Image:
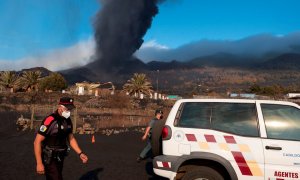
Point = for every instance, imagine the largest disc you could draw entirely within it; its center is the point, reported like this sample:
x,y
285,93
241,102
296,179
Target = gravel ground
x,y
110,157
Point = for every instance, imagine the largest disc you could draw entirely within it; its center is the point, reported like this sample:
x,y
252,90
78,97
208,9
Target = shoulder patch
x,y
48,120
43,128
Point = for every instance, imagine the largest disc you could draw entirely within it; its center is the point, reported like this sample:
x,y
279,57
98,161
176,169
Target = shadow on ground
x,y
91,175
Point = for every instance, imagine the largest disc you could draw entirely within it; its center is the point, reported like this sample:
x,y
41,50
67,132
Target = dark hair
x,y
158,111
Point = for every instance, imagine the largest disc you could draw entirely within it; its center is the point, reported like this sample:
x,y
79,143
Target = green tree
x,y
255,88
269,91
138,84
9,80
54,82
29,80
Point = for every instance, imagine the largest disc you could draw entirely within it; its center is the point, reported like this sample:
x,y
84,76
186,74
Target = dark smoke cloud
x,y
119,29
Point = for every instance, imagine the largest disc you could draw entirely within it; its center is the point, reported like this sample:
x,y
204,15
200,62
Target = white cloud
x,y
77,55
153,44
148,50
256,46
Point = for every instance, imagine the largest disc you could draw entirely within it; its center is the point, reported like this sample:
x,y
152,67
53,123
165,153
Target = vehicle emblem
x,y
178,136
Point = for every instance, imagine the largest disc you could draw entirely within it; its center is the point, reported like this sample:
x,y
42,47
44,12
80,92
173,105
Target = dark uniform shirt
x,y
56,130
151,124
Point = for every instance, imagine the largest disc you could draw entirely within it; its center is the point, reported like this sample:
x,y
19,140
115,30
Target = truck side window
x,y
282,121
195,115
235,118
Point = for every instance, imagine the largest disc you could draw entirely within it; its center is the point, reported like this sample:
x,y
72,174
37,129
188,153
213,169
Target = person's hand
x,y
40,169
84,158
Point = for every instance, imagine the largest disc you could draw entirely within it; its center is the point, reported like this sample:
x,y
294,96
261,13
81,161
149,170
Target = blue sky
x,y
36,31
36,26
190,20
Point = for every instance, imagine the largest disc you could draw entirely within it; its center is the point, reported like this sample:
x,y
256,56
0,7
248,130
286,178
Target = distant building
x,y
203,97
293,95
242,95
86,88
174,97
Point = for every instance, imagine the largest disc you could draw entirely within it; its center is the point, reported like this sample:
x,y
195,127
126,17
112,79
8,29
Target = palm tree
x,y
54,82
30,80
138,84
9,79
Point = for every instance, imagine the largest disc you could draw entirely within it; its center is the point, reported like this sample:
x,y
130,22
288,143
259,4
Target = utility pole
x,y
157,80
75,120
32,116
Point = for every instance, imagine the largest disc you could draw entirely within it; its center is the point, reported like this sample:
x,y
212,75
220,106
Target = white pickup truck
x,y
218,139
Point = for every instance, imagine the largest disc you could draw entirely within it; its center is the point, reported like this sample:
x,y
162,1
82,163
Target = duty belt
x,y
50,153
56,149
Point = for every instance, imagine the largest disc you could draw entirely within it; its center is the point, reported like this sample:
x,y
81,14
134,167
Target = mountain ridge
x,y
286,61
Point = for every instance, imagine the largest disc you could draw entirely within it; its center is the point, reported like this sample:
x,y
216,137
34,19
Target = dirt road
x,y
110,157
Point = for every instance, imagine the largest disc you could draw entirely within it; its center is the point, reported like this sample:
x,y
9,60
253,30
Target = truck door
x,y
282,142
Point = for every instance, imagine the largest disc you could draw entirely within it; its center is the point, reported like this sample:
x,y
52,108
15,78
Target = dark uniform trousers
x,y
53,170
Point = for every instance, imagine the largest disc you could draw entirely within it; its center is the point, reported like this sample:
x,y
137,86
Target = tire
x,y
202,173
156,139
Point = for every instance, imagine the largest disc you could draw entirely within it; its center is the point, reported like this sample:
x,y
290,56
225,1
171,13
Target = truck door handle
x,y
273,148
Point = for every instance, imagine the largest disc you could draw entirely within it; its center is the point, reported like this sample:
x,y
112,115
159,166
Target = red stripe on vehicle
x,y
191,137
166,164
241,162
230,139
279,179
210,138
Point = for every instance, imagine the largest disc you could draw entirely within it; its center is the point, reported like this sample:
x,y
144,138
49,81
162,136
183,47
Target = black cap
x,y
67,102
158,111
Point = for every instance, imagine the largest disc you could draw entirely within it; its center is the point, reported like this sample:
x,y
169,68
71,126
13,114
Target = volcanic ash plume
x,y
119,29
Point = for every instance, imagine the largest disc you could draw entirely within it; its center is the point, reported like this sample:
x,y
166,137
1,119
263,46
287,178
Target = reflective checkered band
x,y
240,152
163,164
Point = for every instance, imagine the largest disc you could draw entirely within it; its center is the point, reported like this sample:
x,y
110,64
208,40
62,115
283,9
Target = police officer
x,y
148,132
50,145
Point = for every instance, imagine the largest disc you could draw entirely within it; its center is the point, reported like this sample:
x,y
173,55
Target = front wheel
x,y
202,173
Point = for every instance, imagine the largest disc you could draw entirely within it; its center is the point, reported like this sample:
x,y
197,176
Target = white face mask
x,y
66,114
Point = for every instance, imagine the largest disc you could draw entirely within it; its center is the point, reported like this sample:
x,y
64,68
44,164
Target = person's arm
x,y
146,133
38,153
76,148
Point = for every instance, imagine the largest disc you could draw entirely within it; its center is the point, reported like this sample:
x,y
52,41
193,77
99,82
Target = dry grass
x,y
105,111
